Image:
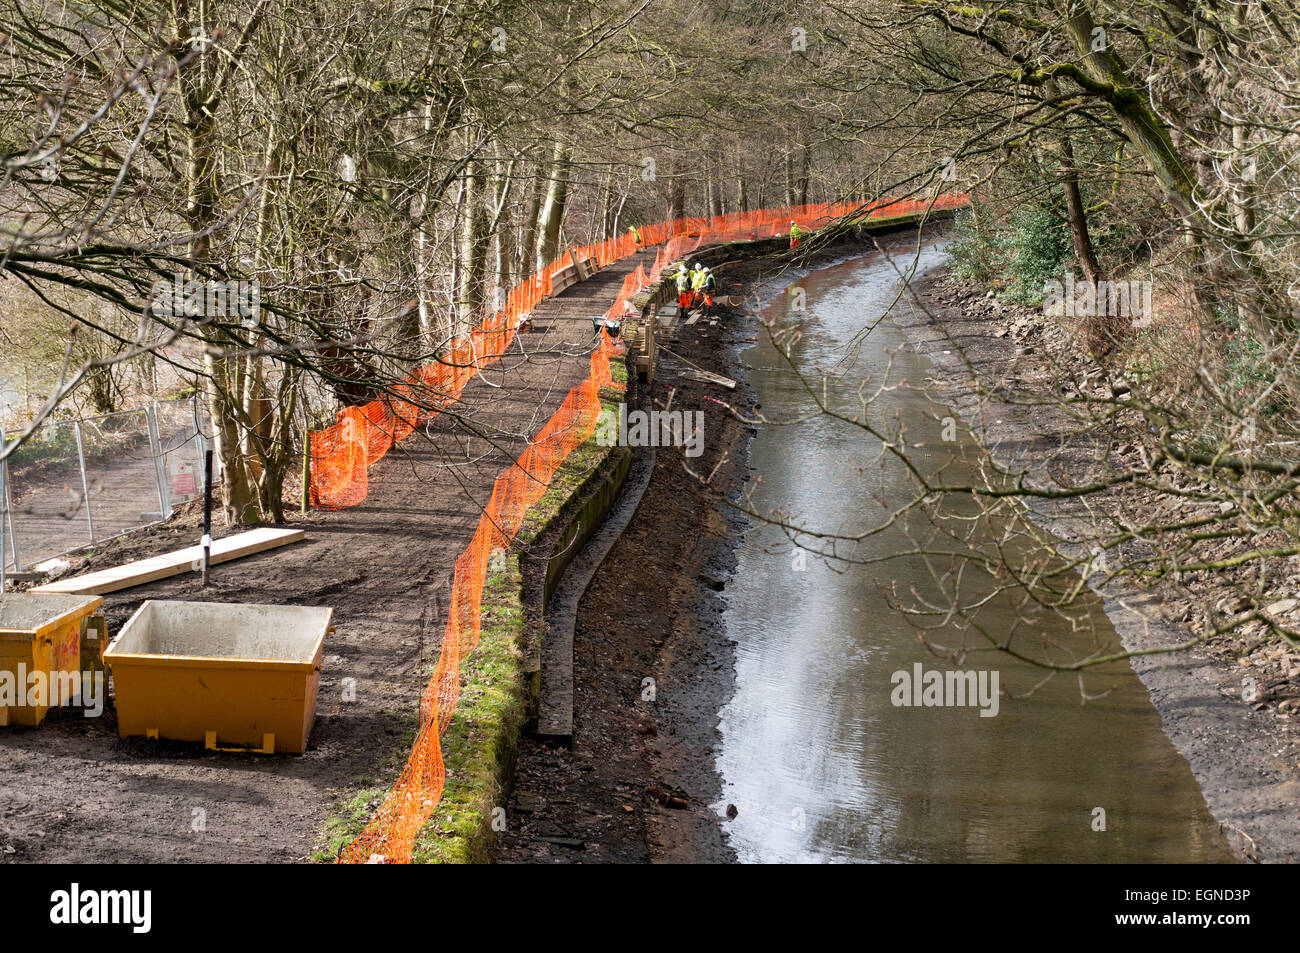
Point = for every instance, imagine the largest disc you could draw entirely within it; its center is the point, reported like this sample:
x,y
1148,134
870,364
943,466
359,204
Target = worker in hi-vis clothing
x,y
697,284
710,283
636,234
683,287
795,234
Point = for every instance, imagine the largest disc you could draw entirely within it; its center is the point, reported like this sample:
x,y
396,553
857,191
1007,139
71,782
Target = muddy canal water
x,y
819,760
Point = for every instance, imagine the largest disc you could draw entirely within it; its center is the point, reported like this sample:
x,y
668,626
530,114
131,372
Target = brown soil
x,y
637,782
72,791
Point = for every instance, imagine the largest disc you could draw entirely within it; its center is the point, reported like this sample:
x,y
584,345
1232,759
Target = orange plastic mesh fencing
x,y
390,835
342,452
338,461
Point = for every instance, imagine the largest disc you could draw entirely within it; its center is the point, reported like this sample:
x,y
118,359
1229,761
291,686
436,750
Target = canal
x,y
820,760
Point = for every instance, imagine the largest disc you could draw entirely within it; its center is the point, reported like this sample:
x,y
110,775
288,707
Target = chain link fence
x,y
75,483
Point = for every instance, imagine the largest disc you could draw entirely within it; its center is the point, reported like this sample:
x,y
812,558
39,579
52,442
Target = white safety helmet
x,y
706,269
698,266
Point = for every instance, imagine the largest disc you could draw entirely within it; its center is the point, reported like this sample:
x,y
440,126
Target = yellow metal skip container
x,y
40,636
233,676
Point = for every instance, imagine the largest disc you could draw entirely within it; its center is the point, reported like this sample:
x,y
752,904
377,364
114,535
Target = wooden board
x,y
700,374
173,564
565,278
708,377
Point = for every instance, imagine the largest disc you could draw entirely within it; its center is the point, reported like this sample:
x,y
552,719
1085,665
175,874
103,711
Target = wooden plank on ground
x,y
700,374
708,377
174,563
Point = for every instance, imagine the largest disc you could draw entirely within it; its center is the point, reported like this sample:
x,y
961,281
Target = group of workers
x,y
695,287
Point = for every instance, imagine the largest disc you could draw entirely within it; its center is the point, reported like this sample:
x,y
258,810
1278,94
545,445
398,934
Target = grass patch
x,y
350,815
480,744
568,480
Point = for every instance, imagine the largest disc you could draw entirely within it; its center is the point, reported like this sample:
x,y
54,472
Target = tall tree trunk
x,y
526,251
473,249
1076,213
427,322
1100,331
498,234
1242,168
239,495
804,161
715,191
552,215
600,229
676,194
501,280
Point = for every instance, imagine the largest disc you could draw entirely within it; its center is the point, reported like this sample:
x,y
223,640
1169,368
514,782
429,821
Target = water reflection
x,y
819,762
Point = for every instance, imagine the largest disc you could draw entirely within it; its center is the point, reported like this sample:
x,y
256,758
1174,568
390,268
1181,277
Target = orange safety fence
x,y
338,482
390,835
351,442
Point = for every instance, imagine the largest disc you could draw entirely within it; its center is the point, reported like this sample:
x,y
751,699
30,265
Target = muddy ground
x,y
639,782
1244,755
72,791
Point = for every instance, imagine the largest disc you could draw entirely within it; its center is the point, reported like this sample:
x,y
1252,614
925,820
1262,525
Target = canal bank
x,y
651,660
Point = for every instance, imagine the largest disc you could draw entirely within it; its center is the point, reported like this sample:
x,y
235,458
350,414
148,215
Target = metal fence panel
x,y
181,438
8,556
121,477
47,495
74,483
